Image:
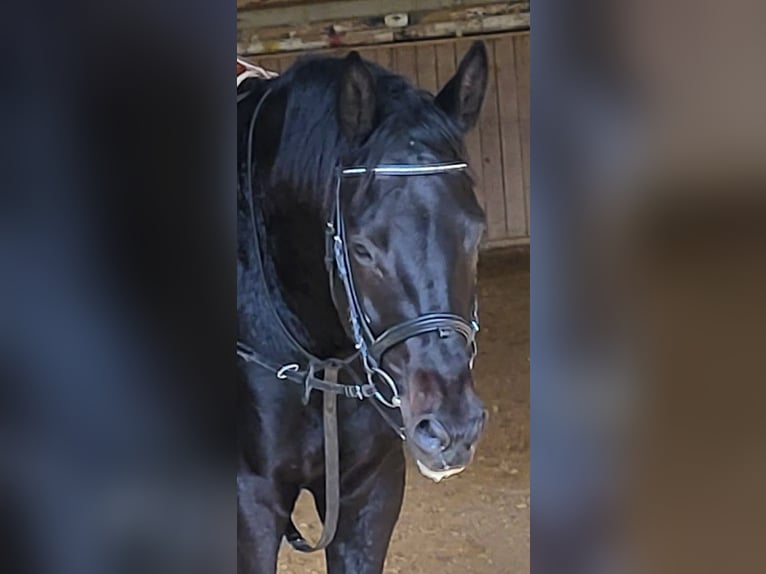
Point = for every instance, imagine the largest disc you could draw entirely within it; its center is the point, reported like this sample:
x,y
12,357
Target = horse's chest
x,y
308,464
311,449
285,439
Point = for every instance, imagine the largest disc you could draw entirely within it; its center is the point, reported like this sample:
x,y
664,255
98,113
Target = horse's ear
x,y
356,104
463,95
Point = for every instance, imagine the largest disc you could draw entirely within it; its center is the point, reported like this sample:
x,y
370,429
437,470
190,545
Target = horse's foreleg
x,y
368,514
261,521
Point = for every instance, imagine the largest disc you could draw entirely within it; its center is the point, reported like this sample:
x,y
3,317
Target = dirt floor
x,y
476,522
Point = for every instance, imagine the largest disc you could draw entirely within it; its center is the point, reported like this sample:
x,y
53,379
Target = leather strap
x,y
309,379
332,475
418,326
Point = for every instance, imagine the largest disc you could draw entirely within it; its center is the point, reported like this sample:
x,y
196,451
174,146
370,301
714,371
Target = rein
x,y
322,374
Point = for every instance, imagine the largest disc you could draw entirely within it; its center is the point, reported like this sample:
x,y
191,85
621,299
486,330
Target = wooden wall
x,y
499,145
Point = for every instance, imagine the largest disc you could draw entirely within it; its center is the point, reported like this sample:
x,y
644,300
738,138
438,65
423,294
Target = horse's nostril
x,y
431,436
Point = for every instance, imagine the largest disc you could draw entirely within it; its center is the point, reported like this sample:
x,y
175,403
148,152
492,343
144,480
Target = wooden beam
x,y
489,244
427,24
295,14
263,4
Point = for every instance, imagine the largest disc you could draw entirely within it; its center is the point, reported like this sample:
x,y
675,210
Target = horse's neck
x,y
293,251
296,248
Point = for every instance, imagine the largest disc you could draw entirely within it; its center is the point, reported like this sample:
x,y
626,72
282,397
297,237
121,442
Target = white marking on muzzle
x,y
438,475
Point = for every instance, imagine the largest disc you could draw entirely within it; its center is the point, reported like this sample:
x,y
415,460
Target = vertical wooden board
x,y
524,134
268,63
406,63
473,137
445,62
510,138
366,53
491,155
287,61
426,64
521,45
384,57
370,54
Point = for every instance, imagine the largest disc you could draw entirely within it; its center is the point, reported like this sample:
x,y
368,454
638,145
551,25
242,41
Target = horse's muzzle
x,y
445,444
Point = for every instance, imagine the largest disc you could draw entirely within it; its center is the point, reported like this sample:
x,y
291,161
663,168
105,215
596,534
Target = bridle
x,y
370,347
322,374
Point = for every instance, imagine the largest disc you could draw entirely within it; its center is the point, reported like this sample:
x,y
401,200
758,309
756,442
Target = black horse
x,y
356,218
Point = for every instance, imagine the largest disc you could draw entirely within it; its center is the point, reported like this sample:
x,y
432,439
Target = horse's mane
x,y
312,145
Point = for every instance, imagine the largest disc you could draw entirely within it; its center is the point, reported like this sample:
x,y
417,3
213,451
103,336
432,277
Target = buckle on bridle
x,y
360,392
396,400
289,368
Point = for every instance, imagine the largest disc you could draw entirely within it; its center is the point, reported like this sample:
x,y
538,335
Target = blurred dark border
x,y
117,294
649,214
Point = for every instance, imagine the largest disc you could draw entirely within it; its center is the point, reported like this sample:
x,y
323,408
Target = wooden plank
x,y
266,13
385,57
510,138
504,242
267,62
521,45
269,31
406,63
254,4
473,137
244,4
491,156
367,53
396,45
426,63
445,62
287,60
372,55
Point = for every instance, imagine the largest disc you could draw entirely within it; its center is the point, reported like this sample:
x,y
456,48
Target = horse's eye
x,y
362,252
